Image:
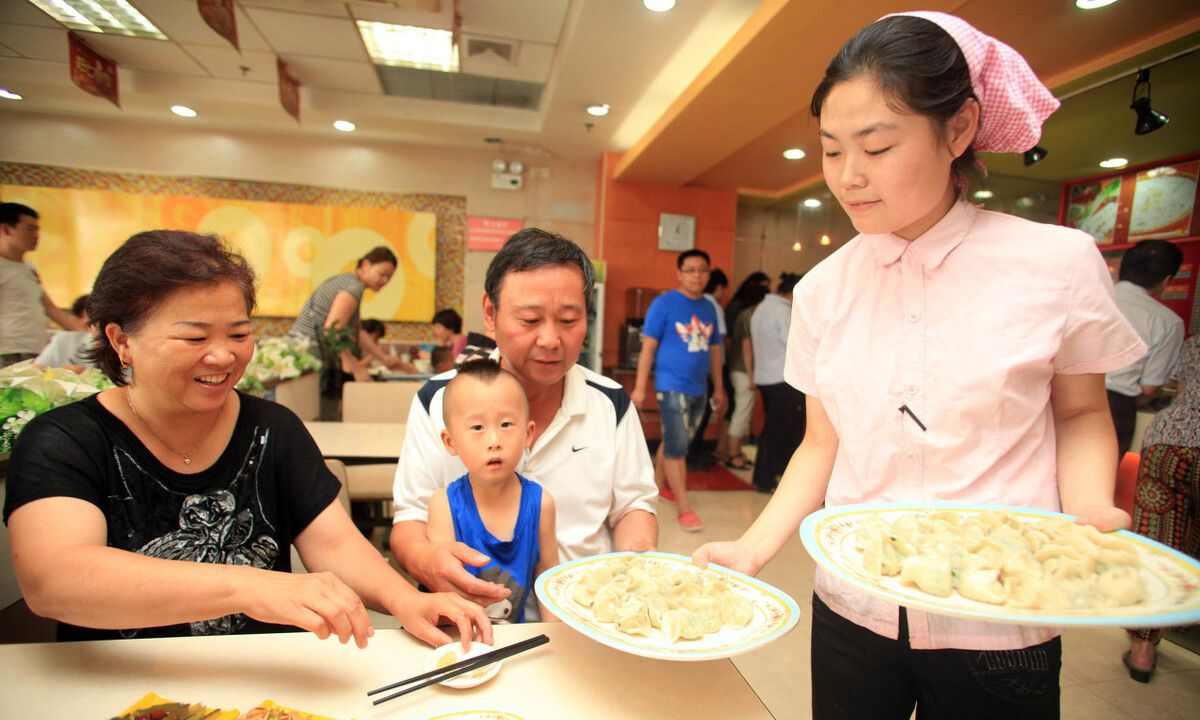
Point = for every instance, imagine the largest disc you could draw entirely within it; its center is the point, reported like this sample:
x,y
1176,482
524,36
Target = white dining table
x,y
570,677
358,441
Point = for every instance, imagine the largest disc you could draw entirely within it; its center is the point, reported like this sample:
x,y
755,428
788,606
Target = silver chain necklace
x,y
187,456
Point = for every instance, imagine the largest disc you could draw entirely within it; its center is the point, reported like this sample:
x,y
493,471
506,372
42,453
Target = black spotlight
x,y
1148,120
1035,154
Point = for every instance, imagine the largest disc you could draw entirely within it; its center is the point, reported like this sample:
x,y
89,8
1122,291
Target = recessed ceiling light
x,y
825,240
599,110
409,46
344,125
113,17
1114,163
1092,4
183,111
9,95
659,5
812,203
796,246
793,154
983,194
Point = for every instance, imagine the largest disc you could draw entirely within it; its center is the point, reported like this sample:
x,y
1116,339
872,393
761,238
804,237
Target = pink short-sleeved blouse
x,y
966,326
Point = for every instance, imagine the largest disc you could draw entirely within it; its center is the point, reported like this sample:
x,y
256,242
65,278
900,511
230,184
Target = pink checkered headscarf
x,y
1013,102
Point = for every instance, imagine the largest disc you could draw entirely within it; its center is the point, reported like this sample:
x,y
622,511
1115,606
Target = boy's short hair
x,y
440,354
371,326
486,371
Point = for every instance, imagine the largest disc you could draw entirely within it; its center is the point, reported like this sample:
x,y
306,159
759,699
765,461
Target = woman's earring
x,y
124,365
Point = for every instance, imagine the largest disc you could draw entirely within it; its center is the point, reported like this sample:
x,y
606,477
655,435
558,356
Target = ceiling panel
x,y
131,53
38,43
355,77
535,20
294,33
327,8
225,62
182,23
25,13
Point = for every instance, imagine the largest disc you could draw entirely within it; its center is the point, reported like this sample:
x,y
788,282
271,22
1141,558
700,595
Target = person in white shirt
x,y
1145,270
68,348
783,405
24,305
588,449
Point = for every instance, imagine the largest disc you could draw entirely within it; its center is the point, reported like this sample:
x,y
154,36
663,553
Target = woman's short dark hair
x,y
148,267
919,67
449,319
1150,262
716,279
531,249
377,255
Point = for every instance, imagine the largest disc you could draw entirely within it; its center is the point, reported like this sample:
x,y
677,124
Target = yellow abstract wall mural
x,y
292,246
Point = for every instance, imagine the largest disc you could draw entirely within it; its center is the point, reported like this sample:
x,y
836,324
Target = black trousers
x,y
783,429
858,674
1124,417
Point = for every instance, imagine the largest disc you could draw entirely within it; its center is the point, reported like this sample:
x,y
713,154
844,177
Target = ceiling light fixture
x,y
9,95
598,110
1113,163
1035,154
1093,4
183,111
796,246
659,6
825,240
113,17
409,46
344,125
794,154
1148,120
983,194
812,203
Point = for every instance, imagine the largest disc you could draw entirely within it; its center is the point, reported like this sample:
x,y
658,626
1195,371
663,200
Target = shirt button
x,y
913,317
911,389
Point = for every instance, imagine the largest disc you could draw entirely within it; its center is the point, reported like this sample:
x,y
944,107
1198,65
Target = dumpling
x,y
983,585
632,617
656,605
736,611
1122,585
929,573
583,594
706,608
682,624
606,602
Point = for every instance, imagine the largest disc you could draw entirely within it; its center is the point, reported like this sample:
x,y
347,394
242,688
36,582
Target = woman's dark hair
x,y
148,267
752,290
716,279
371,326
449,319
79,305
378,255
531,249
1150,262
919,67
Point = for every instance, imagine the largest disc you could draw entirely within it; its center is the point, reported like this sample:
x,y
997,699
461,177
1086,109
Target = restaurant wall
x,y
627,238
765,236
558,195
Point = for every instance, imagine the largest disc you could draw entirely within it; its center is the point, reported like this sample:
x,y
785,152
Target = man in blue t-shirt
x,y
681,339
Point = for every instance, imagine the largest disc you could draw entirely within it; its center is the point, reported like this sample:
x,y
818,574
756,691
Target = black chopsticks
x,y
459,668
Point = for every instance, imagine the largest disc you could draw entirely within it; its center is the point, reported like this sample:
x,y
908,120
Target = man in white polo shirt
x,y
588,448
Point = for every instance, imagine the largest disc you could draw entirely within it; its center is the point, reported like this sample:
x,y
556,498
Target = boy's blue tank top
x,y
513,562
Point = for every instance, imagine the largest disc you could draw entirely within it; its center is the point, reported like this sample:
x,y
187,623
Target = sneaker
x,y
664,493
690,522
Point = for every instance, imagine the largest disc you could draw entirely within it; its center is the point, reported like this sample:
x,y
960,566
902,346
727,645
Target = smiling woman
x,y
176,496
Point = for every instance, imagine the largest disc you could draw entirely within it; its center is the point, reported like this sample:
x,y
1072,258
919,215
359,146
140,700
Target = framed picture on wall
x,y
676,233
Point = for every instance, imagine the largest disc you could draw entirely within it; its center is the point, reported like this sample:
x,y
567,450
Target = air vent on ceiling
x,y
494,52
458,87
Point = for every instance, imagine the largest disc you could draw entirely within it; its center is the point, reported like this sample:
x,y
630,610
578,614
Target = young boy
x,y
492,508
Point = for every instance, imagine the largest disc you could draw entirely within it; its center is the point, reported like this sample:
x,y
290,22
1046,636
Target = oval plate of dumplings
x,y
660,605
1002,563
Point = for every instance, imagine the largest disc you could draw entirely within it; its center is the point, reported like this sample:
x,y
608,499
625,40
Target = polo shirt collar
x,y
932,247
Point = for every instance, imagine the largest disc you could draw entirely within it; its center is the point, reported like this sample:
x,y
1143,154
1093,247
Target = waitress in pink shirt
x,y
993,332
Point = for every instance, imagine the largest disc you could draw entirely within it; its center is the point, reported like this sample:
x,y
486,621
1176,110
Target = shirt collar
x,y
1132,287
932,247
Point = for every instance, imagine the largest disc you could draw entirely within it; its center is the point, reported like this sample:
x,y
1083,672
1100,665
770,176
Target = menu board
x,y
1157,203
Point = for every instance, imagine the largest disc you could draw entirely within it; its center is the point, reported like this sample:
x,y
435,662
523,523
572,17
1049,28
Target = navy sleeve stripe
x,y
618,396
429,389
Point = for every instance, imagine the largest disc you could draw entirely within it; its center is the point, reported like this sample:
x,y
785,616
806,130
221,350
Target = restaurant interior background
x,y
702,101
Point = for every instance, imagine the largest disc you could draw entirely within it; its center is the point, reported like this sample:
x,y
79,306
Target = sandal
x,y
734,463
1137,673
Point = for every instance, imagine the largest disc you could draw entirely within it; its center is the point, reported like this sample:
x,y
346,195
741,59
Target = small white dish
x,y
452,653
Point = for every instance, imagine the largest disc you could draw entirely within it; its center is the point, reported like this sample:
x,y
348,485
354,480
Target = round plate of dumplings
x,y
660,605
1004,564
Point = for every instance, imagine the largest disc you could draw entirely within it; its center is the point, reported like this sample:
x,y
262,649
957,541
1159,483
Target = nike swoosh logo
x,y
577,449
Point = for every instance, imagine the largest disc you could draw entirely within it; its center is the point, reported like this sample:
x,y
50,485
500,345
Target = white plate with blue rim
x,y
1171,580
774,611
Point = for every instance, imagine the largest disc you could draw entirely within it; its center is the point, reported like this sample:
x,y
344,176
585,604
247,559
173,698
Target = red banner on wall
x,y
289,90
220,16
489,233
93,72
